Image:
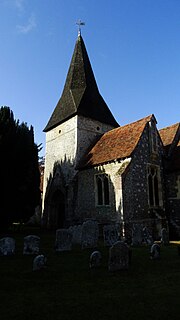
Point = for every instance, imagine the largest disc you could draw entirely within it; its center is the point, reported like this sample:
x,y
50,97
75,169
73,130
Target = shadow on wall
x,y
92,186
55,201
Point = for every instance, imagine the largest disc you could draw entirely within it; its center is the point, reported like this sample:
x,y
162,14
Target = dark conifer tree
x,y
19,170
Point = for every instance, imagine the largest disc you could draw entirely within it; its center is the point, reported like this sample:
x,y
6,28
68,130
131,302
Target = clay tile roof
x,y
80,94
118,143
168,134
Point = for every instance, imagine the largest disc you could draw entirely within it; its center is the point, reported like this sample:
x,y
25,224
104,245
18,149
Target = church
x,y
96,169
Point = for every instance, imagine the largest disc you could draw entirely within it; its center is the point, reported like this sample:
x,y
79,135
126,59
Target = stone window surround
x,y
105,196
158,188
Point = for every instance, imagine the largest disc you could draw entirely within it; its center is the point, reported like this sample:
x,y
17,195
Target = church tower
x,y
79,119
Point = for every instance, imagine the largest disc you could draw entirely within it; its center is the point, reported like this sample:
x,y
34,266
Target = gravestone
x,y
31,244
147,237
7,246
164,237
63,240
76,234
95,259
155,251
39,262
110,234
119,255
90,234
137,234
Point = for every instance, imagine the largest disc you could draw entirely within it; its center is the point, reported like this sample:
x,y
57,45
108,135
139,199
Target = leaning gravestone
x,y
76,234
164,237
137,234
7,246
110,234
39,262
63,240
155,251
90,234
118,256
31,244
95,259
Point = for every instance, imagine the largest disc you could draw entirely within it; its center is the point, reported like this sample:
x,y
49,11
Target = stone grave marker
x,y
90,234
39,262
95,259
110,234
155,251
137,234
63,240
31,244
147,237
7,246
164,237
76,234
119,255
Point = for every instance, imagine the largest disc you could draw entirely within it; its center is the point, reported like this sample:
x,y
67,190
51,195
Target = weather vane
x,y
80,23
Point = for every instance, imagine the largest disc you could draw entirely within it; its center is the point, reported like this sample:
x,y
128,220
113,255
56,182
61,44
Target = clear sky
x,y
133,46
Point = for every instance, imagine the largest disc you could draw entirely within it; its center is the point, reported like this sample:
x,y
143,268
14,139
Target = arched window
x,y
102,190
154,186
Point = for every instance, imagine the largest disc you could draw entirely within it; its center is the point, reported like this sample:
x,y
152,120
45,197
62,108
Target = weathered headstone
x,y
110,234
63,240
164,237
90,234
76,234
39,262
155,251
31,244
95,259
147,237
7,246
118,256
137,234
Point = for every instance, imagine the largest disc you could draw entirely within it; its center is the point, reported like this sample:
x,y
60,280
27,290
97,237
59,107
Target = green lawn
x,y
68,289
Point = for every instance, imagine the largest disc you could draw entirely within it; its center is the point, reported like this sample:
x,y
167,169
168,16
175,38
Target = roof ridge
x,y
118,143
131,123
173,125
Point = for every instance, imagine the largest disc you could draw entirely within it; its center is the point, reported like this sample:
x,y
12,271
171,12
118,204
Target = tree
x,y
19,170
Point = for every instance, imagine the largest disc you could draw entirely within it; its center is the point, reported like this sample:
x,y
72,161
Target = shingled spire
x,y
80,95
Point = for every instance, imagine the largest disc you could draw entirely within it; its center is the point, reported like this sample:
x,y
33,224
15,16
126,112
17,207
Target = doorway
x,y
57,210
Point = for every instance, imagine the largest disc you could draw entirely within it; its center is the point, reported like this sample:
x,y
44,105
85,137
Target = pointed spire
x,y
80,95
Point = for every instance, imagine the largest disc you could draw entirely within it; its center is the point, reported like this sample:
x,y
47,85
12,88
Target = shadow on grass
x,y
68,289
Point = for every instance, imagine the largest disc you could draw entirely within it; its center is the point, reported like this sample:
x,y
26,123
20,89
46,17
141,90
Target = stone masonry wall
x,y
135,184
173,202
65,145
87,205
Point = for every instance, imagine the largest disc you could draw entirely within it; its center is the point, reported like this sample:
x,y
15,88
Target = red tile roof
x,y
168,134
118,143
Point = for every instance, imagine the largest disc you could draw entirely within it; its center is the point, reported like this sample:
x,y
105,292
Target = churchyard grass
x,y
68,289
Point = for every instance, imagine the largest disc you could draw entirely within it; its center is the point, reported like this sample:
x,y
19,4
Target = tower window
x,y
102,190
154,190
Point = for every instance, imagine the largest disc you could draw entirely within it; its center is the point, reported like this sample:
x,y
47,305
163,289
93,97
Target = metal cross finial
x,y
80,23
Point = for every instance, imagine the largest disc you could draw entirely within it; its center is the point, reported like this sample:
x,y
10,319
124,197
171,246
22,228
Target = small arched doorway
x,y
57,210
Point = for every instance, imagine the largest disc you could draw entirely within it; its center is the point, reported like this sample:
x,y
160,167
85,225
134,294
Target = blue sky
x,y
133,46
